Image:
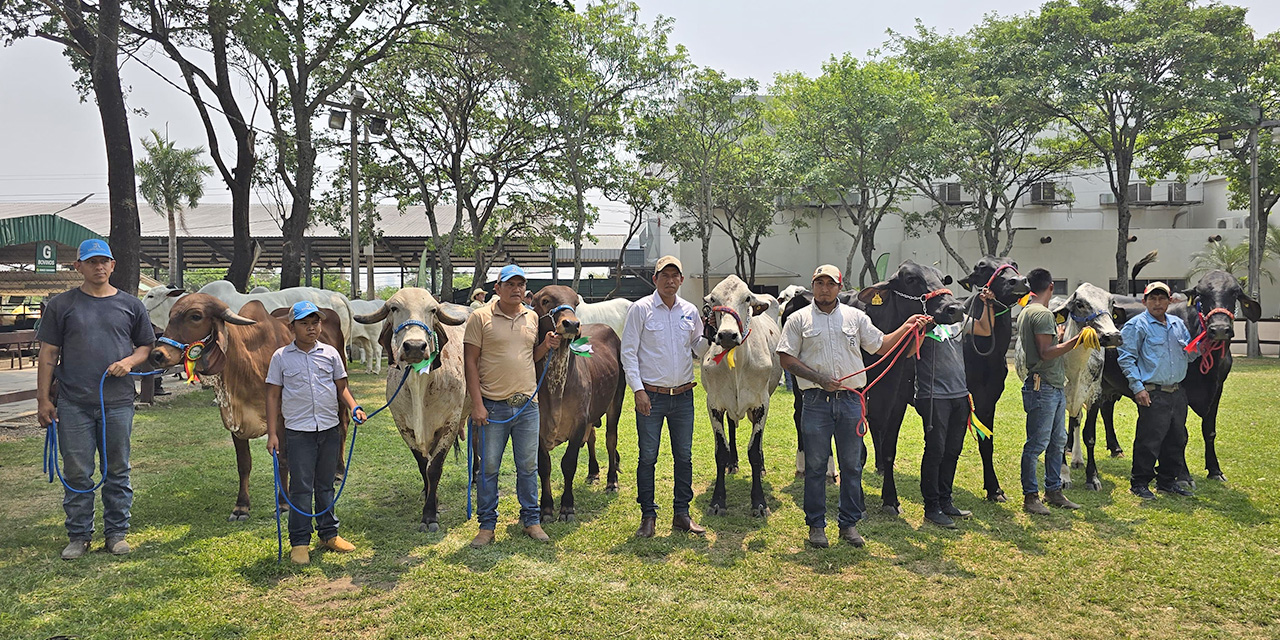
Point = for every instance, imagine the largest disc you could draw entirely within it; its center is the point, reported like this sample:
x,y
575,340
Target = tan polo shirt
x,y
506,350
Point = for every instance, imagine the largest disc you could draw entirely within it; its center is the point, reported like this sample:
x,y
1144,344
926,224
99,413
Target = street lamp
x,y
377,126
1226,142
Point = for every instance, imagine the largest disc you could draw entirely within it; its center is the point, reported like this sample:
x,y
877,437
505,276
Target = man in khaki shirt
x,y
499,348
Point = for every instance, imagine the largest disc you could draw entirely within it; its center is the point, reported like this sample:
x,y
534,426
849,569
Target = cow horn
x,y
447,317
375,317
235,318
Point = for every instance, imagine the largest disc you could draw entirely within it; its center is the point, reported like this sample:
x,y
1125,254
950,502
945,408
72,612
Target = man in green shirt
x,y
1043,397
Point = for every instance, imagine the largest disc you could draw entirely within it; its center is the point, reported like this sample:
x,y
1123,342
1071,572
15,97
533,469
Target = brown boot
x,y
1055,498
336,543
535,531
300,554
686,524
483,538
647,524
1031,504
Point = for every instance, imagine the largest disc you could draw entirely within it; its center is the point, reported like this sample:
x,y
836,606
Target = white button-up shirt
x,y
660,342
830,343
308,396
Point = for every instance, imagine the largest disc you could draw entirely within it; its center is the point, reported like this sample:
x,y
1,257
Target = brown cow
x,y
576,391
238,349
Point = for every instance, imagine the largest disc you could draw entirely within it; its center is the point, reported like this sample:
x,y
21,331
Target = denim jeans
x,y
492,438
313,463
1161,435
79,439
826,416
678,411
945,422
1046,433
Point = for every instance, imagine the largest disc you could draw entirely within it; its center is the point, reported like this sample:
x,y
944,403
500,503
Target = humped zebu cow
x,y
985,357
1209,313
583,382
612,312
260,289
912,289
367,337
431,408
237,348
160,300
740,372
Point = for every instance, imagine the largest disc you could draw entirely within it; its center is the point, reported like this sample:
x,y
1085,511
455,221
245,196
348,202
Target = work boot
x,y
300,554
647,524
818,537
1031,504
336,543
1142,491
117,546
535,531
1055,498
850,534
686,524
484,537
75,549
941,519
955,512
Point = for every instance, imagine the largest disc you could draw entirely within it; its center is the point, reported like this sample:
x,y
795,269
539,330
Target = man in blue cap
x,y
83,332
500,345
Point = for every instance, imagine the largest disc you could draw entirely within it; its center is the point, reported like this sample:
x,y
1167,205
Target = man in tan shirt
x,y
499,348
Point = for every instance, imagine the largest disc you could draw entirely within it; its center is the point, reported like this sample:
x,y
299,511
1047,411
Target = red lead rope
x,y
914,337
1207,348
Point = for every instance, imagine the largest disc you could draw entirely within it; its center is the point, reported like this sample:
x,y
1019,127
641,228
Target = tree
x,y
852,135
1124,76
171,180
91,37
745,195
695,135
1232,259
645,190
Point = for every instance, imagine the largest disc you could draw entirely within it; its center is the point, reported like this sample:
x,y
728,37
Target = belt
x,y
514,401
1167,388
838,393
669,391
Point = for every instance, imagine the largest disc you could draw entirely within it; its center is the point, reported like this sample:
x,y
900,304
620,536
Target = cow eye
x,y
196,317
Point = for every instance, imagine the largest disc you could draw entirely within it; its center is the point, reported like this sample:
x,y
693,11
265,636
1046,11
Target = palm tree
x,y
1232,259
1272,246
171,180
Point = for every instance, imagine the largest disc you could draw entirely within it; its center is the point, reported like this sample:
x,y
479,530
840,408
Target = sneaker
x,y
75,549
1177,489
1056,499
955,512
941,519
117,546
300,554
818,538
483,538
850,534
1142,492
336,543
1031,504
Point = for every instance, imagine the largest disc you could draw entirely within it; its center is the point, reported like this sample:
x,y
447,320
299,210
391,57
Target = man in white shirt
x,y
662,335
821,344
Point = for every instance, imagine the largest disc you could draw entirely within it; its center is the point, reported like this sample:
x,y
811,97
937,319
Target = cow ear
x,y
1060,313
874,294
759,304
964,282
174,293
946,279
384,341
1191,296
1120,314
544,325
443,337
1252,310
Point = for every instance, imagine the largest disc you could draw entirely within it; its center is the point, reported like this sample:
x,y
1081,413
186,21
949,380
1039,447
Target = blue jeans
x,y
492,437
79,439
313,464
678,411
825,416
1046,433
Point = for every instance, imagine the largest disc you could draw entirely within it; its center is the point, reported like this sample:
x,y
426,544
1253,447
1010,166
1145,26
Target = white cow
x,y
612,312
260,289
159,300
742,390
432,408
365,336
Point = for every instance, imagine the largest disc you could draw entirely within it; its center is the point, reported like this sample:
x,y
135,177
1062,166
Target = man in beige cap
x,y
662,335
821,344
1154,358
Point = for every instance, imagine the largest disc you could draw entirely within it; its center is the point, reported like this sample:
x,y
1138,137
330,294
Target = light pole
x,y
377,126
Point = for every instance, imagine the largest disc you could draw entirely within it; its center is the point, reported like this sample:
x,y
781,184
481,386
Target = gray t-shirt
x,y
940,371
93,333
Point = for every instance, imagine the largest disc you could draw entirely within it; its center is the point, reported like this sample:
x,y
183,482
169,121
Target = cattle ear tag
x,y
877,300
1060,318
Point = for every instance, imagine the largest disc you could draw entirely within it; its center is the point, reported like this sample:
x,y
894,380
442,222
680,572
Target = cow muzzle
x,y
413,351
1109,339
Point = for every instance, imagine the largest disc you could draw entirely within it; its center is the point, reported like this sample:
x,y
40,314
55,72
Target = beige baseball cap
x,y
666,261
1157,286
829,270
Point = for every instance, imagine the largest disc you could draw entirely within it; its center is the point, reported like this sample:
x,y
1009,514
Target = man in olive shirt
x,y
498,354
1043,396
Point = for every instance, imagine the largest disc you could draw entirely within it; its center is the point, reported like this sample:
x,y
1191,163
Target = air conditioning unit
x,y
1049,193
1139,193
782,202
1106,199
950,193
1178,195
1233,222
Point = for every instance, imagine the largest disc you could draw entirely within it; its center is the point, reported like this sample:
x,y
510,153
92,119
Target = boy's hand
x,y
273,444
551,340
360,416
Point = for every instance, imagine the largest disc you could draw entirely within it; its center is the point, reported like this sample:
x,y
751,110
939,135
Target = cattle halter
x,y
924,299
1086,319
998,270
742,331
431,335
1208,348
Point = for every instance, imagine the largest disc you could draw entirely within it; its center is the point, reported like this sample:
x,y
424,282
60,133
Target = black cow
x,y
912,289
985,361
1210,308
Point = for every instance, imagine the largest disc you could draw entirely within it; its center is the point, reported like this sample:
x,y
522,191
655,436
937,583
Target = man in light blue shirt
x,y
1153,357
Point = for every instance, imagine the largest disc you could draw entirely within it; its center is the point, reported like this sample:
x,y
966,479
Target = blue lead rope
x,y
275,470
50,466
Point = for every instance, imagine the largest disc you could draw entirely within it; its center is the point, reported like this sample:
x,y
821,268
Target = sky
x,y
52,148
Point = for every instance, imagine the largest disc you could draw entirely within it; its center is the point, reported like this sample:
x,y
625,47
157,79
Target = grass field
x,y
1207,567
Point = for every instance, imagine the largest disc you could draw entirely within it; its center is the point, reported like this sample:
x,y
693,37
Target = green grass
x,y
1203,568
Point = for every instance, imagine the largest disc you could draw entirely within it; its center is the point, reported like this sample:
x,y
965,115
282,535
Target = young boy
x,y
304,381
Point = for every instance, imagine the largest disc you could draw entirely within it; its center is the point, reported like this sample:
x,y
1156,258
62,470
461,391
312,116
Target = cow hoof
x,y
612,487
237,517
567,516
593,479
996,496
879,472
833,479
1066,484
1118,453
717,510
429,527
1213,476
891,509
760,511
1093,484
799,473
731,469
1077,465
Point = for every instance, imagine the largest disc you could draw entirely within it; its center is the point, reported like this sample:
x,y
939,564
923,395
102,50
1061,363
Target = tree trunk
x,y
300,212
1123,216
632,229
242,243
173,250
848,261
946,244
580,227
868,256
121,183
705,227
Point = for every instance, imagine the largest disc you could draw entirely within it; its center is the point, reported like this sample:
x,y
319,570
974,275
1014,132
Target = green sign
x,y
46,257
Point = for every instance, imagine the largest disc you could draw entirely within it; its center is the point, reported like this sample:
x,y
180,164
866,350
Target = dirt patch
x,y
20,428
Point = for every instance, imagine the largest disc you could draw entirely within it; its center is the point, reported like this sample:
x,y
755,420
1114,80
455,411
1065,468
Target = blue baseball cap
x,y
93,248
303,309
510,271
